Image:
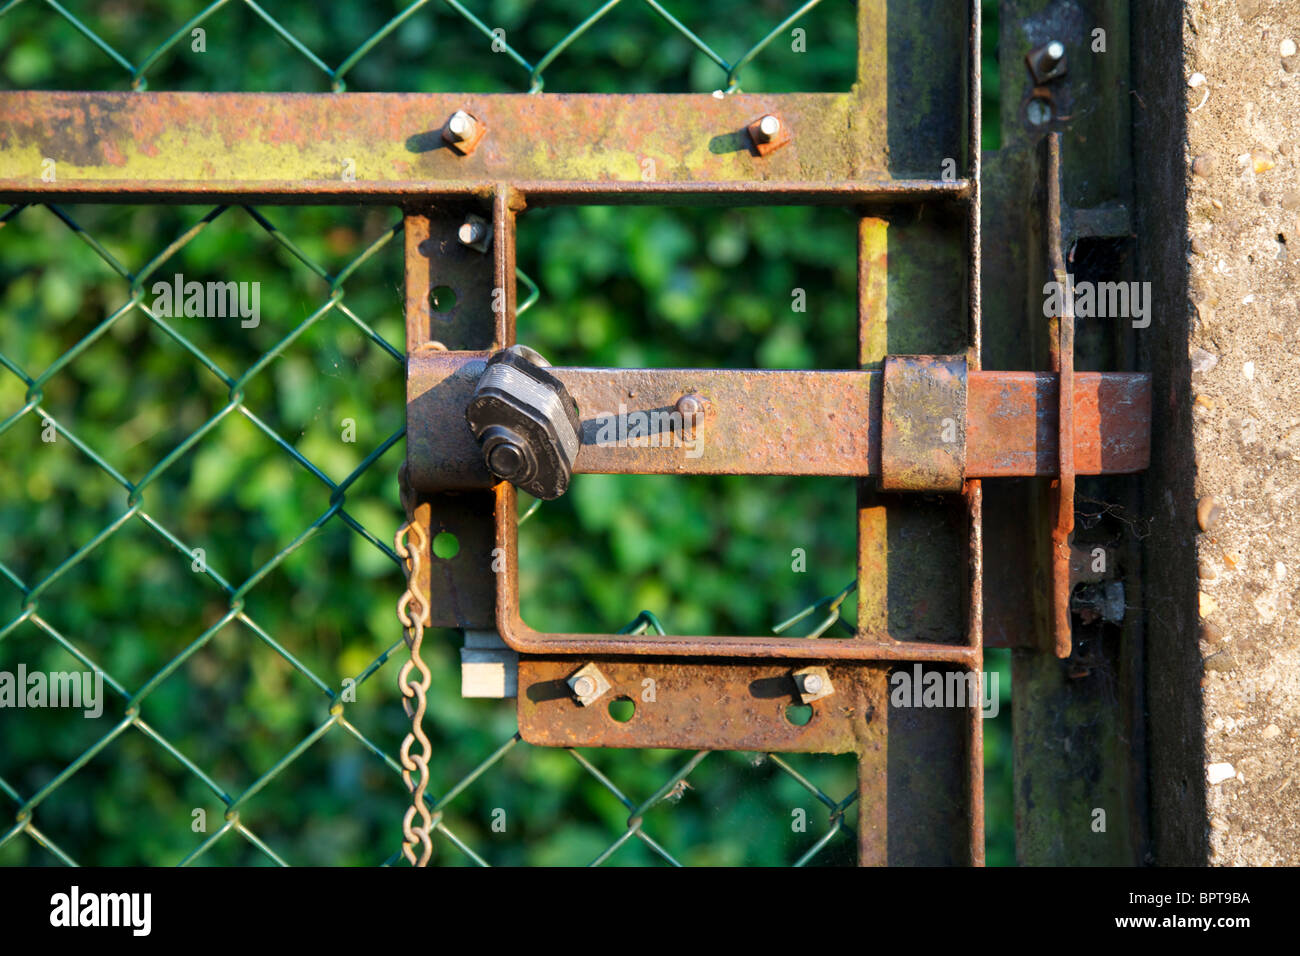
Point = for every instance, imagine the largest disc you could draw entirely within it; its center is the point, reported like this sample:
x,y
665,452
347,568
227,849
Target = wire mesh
x,y
136,510
240,803
492,39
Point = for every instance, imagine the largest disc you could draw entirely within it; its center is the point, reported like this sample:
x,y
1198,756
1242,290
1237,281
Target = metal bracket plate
x,y
923,423
699,706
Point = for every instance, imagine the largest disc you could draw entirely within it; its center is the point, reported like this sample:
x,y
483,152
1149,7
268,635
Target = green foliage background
x,y
621,287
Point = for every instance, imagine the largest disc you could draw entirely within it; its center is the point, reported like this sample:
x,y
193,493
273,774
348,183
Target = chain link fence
x,y
171,496
476,37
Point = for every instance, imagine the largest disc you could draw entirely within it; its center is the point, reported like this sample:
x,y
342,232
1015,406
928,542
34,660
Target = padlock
x,y
526,422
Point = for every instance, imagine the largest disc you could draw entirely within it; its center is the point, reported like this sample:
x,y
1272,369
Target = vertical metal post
x,y
920,782
974,488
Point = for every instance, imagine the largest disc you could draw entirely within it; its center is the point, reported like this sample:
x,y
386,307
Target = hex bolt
x,y
1047,62
768,134
1052,55
475,233
588,685
463,131
813,683
461,126
767,128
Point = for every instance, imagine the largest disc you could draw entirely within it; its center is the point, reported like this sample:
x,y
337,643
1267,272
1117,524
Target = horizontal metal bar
x,y
869,648
762,422
700,705
389,147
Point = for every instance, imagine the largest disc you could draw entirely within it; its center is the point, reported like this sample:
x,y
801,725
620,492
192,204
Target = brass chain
x,y
413,611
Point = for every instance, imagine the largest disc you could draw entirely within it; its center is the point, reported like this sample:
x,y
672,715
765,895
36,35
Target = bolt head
x,y
584,686
506,459
688,406
470,233
461,126
1038,112
812,683
767,129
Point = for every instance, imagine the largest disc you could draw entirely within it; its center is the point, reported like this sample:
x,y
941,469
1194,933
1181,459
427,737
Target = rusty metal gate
x,y
965,423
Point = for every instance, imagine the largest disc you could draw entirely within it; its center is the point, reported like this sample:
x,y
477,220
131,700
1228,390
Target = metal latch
x,y
918,424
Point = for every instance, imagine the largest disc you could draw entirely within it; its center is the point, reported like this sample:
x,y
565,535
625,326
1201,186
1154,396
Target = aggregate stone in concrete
x,y
1243,211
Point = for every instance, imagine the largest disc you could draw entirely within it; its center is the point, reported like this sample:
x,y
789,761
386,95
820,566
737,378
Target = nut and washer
x,y
463,131
767,128
768,133
1046,62
588,684
812,683
475,232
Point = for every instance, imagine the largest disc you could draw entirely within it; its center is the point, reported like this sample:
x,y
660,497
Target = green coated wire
x,y
686,32
336,75
236,594
534,293
733,72
134,509
536,75
642,623
138,80
831,605
351,59
88,33
289,38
